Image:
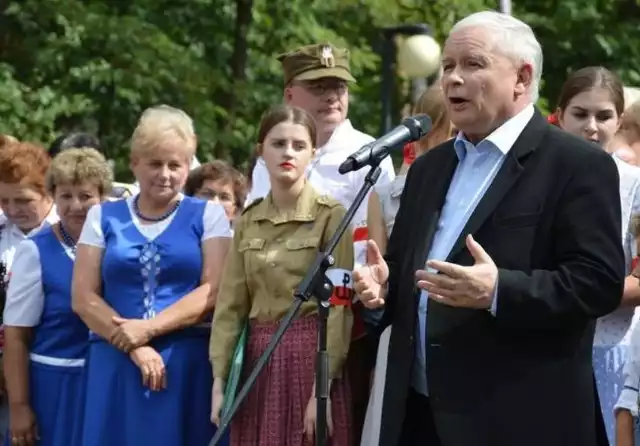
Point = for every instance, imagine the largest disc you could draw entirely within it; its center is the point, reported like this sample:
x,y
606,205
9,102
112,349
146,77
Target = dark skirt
x,y
273,413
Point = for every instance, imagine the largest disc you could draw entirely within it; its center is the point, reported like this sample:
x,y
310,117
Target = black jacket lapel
x,y
507,175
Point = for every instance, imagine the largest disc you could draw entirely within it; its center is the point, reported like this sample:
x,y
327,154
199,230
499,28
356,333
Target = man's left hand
x,y
462,286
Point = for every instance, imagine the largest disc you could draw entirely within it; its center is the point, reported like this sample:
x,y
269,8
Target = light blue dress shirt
x,y
476,170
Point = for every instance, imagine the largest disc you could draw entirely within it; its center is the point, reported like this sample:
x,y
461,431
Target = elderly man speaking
x,y
505,250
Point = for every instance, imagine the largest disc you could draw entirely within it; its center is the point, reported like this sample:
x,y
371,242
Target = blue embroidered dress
x,y
142,277
60,338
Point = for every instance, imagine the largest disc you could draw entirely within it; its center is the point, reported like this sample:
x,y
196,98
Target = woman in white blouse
x,y
46,342
145,283
384,202
590,105
27,207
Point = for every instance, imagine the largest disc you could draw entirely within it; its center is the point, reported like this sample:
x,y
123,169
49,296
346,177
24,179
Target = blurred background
x,y
94,65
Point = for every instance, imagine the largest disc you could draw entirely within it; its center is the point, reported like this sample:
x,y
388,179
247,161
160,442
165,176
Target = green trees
x,y
95,65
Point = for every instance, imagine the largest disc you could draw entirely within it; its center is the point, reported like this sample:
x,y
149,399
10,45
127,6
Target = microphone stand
x,y
317,284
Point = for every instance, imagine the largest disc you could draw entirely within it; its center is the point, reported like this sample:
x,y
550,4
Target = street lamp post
x,y
505,6
420,55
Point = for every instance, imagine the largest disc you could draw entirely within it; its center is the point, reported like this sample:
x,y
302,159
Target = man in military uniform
x,y
316,79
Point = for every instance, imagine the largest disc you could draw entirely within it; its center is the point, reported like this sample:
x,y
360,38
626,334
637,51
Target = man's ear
x,y
525,79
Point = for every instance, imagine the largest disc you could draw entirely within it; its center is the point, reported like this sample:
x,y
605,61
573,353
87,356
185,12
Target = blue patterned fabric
x,y
142,278
56,392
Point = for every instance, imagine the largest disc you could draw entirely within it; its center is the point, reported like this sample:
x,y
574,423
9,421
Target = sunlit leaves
x,y
92,64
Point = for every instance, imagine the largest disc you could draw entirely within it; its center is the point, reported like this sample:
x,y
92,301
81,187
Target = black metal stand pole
x,y
322,358
315,284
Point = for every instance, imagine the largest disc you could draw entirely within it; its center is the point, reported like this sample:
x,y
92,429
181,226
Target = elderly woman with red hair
x,y
26,205
23,197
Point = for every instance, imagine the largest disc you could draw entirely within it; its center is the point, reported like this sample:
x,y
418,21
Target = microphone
x,y
411,129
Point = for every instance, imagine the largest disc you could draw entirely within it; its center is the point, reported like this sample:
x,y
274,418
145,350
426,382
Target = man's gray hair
x,y
513,38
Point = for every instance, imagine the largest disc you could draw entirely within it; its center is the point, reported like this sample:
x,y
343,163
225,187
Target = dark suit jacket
x,y
551,221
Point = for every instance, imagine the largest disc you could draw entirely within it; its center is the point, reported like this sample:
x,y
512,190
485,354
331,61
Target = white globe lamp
x,y
418,56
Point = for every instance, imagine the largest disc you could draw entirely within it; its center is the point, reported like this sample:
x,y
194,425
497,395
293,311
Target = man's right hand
x,y
369,280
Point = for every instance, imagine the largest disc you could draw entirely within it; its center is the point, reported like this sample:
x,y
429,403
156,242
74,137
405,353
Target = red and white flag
x,y
360,237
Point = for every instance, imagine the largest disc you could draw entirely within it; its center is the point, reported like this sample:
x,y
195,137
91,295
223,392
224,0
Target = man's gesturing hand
x,y
369,280
462,286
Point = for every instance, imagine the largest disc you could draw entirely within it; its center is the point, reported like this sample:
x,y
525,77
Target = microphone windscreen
x,y
422,125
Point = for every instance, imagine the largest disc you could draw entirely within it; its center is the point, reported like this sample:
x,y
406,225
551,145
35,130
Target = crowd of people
x,y
484,295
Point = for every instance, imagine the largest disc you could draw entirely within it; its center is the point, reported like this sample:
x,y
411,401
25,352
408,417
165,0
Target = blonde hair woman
x,y
145,283
626,142
385,200
180,119
383,206
46,342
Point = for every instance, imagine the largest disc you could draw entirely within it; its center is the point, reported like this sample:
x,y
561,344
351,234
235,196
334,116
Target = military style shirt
x,y
272,251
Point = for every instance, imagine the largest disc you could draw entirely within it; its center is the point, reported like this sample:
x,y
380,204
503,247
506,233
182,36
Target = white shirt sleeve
x,y
357,178
260,182
631,373
214,221
25,295
388,172
92,230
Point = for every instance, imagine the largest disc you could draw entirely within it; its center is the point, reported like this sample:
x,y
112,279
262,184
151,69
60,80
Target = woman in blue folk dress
x,y
46,342
26,208
145,283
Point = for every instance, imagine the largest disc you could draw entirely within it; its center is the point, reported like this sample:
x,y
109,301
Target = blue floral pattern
x,y
613,331
608,362
150,260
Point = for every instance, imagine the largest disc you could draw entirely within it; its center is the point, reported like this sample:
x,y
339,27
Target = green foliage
x,y
33,111
95,65
580,33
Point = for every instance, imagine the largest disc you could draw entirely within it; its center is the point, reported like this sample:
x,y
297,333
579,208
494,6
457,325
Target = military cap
x,y
315,62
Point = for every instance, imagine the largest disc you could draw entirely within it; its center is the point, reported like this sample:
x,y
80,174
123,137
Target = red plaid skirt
x,y
273,413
